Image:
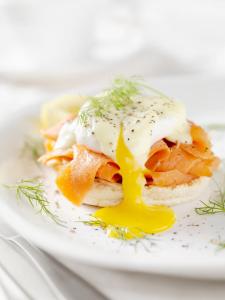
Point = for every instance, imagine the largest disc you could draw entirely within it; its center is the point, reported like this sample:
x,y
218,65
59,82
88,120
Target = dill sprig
x,y
33,147
33,191
118,96
213,206
146,242
120,232
123,234
219,243
95,222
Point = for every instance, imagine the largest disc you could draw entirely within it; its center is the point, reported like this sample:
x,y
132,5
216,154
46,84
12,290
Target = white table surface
x,y
116,285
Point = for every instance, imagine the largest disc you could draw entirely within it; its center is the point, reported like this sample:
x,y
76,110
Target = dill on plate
x,y
34,192
213,206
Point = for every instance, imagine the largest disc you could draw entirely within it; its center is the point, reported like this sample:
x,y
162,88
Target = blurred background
x,y
63,44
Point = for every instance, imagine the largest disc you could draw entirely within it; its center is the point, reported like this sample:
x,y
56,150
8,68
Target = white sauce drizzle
x,y
145,121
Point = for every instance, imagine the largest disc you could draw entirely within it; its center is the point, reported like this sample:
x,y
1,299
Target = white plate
x,y
186,250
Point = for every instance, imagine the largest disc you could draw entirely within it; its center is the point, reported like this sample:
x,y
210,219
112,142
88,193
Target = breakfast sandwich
x,y
131,151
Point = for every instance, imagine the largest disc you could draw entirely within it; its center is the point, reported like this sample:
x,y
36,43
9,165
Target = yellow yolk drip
x,y
138,218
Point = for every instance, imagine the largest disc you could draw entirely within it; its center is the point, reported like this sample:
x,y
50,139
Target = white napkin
x,y
115,284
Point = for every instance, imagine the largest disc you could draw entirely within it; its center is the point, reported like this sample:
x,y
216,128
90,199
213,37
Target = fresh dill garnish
x,y
33,146
95,222
123,234
213,206
146,242
118,96
219,243
33,191
120,232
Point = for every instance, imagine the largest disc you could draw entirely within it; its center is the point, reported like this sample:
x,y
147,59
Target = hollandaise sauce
x,y
132,213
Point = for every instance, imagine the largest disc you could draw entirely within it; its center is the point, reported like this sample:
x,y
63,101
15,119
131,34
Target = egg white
x,y
145,121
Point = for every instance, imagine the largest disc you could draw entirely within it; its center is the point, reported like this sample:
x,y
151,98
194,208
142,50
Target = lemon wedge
x,y
58,109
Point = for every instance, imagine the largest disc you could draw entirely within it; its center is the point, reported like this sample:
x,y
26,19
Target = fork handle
x,y
42,262
13,281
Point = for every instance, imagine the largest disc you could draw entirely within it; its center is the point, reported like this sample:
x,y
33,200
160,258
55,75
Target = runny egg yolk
x,y
132,213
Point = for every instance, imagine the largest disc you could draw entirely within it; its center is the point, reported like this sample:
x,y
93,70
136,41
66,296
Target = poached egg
x,y
145,121
127,135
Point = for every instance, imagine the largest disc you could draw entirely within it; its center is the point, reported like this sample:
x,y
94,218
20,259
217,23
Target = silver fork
x,y
41,262
6,292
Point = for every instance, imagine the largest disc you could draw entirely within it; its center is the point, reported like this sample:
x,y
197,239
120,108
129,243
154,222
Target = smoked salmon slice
x,y
181,163
158,153
77,177
109,172
200,137
205,167
170,178
194,150
178,159
169,164
57,154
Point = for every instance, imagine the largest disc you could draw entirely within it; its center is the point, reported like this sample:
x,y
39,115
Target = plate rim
x,y
184,268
